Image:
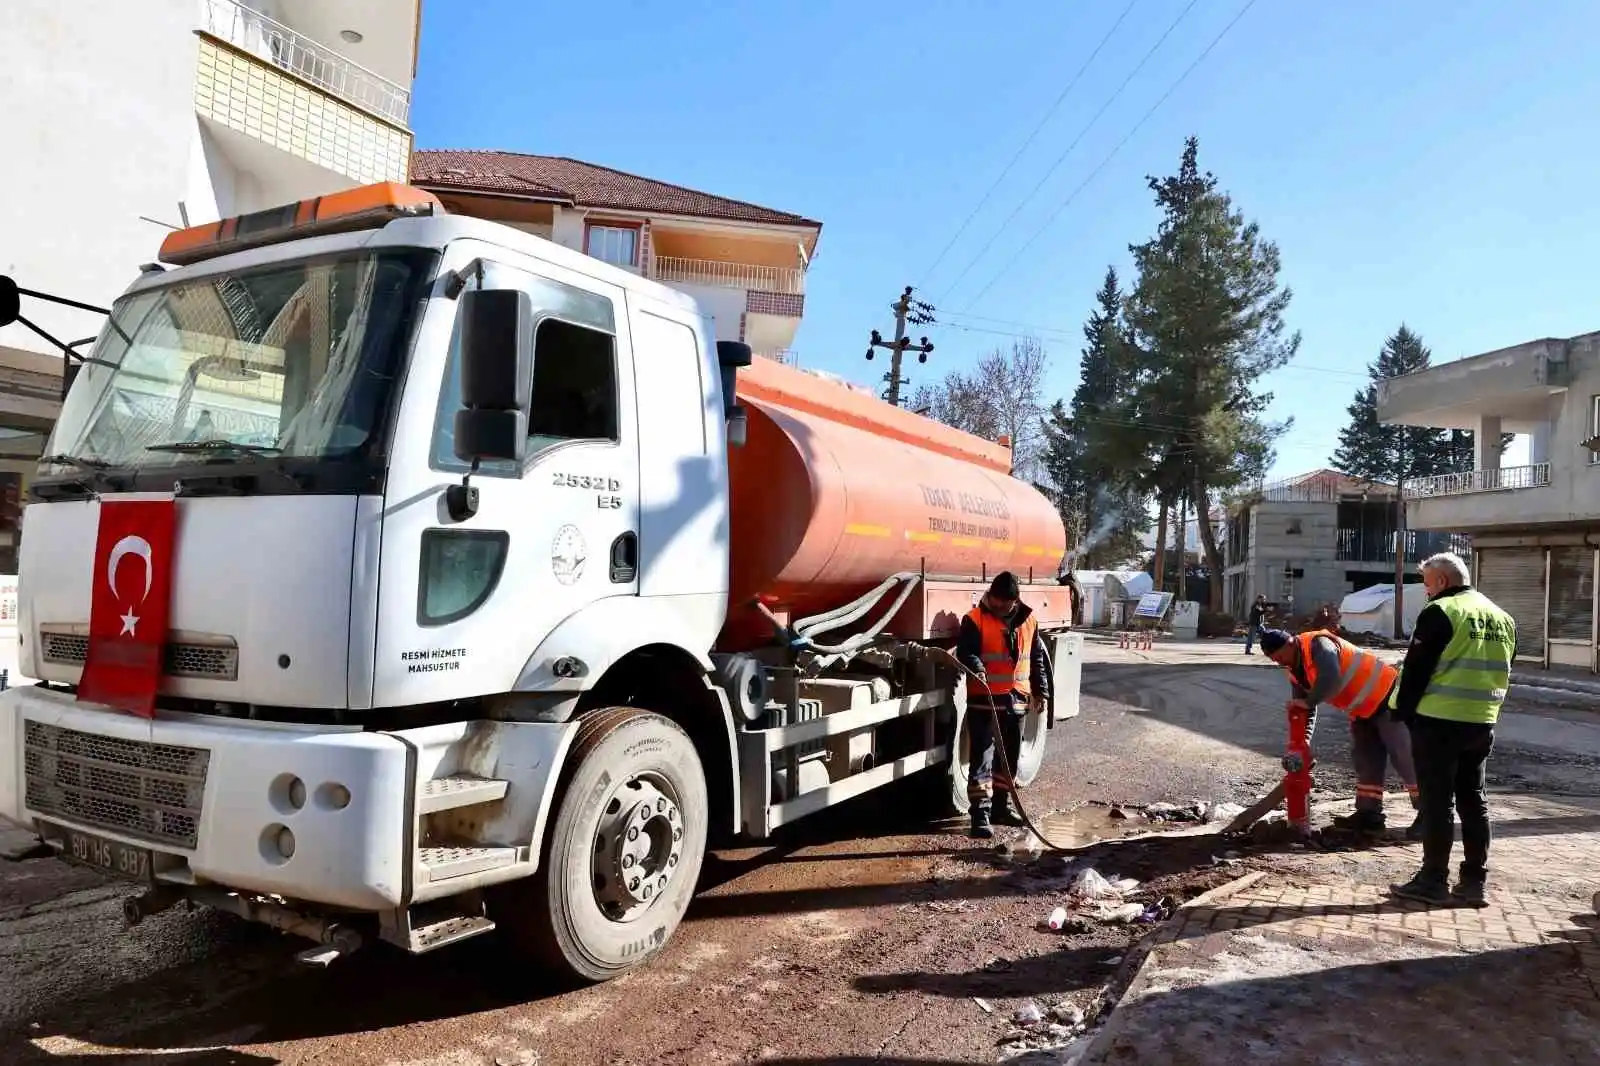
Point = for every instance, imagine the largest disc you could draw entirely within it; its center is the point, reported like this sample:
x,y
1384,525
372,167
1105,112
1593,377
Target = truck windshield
x,y
289,360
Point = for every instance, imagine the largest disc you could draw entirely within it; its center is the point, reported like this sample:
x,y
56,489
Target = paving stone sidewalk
x,y
1315,963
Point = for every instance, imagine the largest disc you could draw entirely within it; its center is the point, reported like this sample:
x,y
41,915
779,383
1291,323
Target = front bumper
x,y
212,798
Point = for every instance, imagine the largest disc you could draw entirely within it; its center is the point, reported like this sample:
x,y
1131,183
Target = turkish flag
x,y
130,604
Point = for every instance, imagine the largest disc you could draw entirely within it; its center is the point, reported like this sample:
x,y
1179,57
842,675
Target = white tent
x,y
1372,609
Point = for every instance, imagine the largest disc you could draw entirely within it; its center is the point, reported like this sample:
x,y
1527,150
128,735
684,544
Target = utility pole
x,y
1400,540
1183,546
906,310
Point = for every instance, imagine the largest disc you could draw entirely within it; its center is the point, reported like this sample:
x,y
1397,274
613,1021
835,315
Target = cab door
x,y
464,601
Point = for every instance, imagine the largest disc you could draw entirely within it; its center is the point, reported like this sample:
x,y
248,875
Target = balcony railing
x,y
273,42
1501,479
748,276
1377,545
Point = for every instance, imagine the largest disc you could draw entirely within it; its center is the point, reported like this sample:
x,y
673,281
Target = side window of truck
x,y
575,387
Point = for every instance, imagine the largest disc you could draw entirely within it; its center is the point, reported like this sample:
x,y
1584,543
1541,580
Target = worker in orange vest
x,y
1325,668
999,642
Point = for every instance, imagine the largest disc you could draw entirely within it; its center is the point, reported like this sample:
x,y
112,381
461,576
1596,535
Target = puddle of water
x,y
1087,825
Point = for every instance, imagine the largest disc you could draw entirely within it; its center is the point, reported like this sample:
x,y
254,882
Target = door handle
x,y
625,558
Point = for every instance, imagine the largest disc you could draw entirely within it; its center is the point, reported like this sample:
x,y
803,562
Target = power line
x,y
1113,154
1063,156
1048,115
1034,332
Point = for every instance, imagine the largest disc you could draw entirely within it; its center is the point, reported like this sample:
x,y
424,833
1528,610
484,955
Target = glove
x,y
1292,762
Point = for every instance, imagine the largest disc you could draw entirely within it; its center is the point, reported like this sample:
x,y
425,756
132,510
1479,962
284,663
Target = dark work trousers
x,y
1376,742
984,776
1251,632
1452,759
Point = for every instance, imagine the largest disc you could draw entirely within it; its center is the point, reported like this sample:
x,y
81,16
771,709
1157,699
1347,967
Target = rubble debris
x,y
1067,1014
1224,812
1193,811
1121,914
1124,885
1117,814
1028,1014
983,1004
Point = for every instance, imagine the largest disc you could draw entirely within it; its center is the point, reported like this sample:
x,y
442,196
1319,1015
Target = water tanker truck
x,y
394,573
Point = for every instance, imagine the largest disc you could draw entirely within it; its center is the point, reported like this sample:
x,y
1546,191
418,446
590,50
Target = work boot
x,y
1414,830
981,829
1423,888
1469,889
1362,822
1001,812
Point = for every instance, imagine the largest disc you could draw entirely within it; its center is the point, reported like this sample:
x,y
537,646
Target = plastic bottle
x,y
1057,919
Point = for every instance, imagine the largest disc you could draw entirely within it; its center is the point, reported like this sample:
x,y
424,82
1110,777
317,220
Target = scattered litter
x,y
1090,885
1225,861
1028,1014
1111,960
1224,812
1057,919
518,1058
1125,885
1068,1014
1121,914
949,906
983,1004
998,965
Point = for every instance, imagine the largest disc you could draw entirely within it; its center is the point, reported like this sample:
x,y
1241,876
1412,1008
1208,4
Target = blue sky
x,y
1425,162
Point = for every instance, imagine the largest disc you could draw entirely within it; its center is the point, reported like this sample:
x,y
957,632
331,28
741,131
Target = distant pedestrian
x,y
1075,590
999,641
1452,684
1252,630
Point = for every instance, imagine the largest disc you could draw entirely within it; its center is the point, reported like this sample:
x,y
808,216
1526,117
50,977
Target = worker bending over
x,y
999,642
1325,668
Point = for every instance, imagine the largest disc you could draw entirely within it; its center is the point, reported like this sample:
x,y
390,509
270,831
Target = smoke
x,y
1110,515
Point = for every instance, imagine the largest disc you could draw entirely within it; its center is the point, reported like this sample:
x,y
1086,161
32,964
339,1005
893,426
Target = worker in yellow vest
x,y
1452,683
999,642
1325,668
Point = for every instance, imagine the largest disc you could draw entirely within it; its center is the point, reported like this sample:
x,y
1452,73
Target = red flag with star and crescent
x,y
130,604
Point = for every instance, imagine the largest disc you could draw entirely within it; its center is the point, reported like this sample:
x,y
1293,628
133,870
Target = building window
x,y
617,245
1294,527
1594,429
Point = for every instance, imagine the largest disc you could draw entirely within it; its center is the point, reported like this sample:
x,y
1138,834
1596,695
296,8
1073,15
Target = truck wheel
x,y
1035,736
623,853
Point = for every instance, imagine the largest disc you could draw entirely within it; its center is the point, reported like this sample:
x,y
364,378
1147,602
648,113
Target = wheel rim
x,y
638,846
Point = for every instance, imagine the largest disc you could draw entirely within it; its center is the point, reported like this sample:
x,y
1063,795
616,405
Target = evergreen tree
x,y
1204,323
1392,455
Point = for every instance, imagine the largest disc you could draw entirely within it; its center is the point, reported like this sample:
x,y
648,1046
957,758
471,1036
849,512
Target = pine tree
x,y
1391,455
1205,321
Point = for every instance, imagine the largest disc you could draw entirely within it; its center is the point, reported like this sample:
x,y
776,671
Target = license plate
x,y
108,856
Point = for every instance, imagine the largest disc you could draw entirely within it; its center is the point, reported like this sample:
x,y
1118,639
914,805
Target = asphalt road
x,y
862,936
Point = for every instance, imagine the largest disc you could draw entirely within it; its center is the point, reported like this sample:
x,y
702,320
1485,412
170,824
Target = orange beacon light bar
x,y
367,207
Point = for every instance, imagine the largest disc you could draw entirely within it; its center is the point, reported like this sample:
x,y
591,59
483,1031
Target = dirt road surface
x,y
862,936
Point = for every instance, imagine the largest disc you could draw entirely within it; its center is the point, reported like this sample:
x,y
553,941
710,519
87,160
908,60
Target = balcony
x,y
1377,545
723,275
1501,479
272,42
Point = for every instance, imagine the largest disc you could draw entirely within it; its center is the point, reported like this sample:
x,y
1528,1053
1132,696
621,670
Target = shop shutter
x,y
1572,593
1514,579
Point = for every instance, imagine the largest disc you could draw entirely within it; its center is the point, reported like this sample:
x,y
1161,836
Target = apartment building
x,y
1315,538
1535,525
125,120
746,264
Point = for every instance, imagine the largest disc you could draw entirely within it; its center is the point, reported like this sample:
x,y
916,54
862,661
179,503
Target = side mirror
x,y
10,301
496,375
731,357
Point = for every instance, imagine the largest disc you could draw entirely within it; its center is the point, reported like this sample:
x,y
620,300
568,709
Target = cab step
x,y
442,864
447,931
459,790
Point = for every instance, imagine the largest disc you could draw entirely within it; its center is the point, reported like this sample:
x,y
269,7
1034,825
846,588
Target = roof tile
x,y
582,185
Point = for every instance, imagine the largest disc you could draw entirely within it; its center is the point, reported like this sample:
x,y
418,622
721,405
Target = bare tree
x,y
960,401
1013,380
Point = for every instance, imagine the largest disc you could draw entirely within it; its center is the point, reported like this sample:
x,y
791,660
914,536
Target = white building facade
x,y
126,119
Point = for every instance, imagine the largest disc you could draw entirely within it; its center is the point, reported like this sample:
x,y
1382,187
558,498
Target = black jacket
x,y
969,649
1428,642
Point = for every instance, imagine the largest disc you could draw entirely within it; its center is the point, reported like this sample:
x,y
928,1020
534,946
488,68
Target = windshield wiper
x,y
216,446
75,461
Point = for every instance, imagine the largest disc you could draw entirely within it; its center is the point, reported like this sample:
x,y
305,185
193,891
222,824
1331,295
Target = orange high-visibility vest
x,y
1005,676
1364,679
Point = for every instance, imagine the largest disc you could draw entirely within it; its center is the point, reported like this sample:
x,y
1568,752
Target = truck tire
x,y
622,854
1034,739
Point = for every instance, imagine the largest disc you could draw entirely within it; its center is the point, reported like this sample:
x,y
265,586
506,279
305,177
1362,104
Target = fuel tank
x,y
834,490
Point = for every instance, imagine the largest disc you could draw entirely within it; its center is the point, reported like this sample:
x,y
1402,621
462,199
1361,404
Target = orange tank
x,y
835,490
